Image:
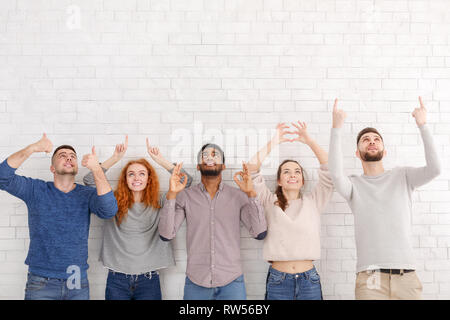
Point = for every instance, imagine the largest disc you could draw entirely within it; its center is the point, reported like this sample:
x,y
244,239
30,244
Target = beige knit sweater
x,y
294,234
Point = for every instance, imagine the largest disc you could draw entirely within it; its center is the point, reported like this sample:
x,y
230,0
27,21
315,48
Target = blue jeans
x,y
235,290
41,288
298,286
120,286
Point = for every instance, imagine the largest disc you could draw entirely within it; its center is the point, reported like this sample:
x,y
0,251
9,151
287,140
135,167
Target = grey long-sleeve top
x,y
134,246
382,206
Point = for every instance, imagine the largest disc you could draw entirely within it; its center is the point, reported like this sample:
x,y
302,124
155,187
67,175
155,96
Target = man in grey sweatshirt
x,y
381,201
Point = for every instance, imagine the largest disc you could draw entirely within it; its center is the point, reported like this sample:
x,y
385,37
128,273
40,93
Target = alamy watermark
x,y
238,144
73,21
74,280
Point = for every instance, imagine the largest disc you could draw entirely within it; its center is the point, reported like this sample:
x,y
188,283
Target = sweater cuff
x,y
4,166
336,131
106,196
256,174
423,127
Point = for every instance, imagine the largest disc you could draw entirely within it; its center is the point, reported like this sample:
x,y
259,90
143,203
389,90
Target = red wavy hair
x,y
124,195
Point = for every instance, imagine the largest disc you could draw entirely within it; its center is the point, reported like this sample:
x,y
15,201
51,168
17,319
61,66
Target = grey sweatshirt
x,y
382,206
135,247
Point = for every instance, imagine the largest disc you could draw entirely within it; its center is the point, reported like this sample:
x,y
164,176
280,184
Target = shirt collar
x,y
202,186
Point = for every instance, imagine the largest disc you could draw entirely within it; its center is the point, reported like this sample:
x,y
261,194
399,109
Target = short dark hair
x,y
366,130
210,145
64,146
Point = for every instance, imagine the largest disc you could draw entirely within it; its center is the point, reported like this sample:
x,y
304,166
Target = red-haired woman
x,y
132,250
293,220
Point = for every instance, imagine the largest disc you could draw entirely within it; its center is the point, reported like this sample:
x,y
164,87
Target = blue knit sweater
x,y
58,222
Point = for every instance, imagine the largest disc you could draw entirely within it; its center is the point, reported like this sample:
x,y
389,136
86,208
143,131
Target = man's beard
x,y
210,173
64,173
372,158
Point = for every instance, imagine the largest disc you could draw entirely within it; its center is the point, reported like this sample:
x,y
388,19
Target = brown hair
x,y
366,130
65,146
282,201
124,195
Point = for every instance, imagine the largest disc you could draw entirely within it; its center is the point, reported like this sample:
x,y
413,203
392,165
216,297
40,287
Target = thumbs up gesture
x,y
90,161
43,145
420,114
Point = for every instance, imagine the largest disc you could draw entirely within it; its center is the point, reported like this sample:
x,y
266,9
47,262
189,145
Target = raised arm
x,y
420,176
336,164
14,184
256,161
158,157
18,158
304,137
90,161
118,154
263,193
323,190
172,214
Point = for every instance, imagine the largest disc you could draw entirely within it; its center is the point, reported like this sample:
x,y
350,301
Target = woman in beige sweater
x,y
293,218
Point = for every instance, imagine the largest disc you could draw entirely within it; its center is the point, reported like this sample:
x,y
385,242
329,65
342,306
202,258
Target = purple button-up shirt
x,y
212,230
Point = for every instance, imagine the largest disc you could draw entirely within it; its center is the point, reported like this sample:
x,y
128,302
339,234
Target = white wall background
x,y
89,71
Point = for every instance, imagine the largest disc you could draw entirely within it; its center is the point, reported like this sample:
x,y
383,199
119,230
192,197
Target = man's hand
x,y
175,184
246,184
90,161
43,145
420,114
338,116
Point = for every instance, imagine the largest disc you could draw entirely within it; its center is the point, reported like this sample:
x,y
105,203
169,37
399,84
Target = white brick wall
x,y
153,68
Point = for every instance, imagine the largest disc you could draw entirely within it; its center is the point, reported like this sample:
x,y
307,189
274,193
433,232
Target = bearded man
x,y
213,211
381,201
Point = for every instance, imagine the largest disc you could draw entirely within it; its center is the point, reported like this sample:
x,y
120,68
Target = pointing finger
x,y
422,106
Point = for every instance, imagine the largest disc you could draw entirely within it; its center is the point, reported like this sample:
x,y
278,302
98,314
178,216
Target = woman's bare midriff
x,y
298,266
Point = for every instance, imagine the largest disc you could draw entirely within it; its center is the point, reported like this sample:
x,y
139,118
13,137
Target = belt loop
x,y
401,272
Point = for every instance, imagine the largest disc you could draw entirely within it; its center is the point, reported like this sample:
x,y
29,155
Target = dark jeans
x,y
297,286
41,288
120,286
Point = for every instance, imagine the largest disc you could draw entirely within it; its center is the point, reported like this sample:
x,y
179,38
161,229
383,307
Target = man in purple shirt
x,y
213,212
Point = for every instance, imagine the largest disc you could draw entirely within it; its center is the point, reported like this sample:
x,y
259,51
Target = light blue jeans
x,y
235,290
293,286
41,288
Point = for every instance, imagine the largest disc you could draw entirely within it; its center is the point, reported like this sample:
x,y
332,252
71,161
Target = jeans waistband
x,y
31,274
286,275
149,274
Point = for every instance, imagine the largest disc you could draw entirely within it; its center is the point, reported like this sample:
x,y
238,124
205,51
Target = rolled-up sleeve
x,y
252,216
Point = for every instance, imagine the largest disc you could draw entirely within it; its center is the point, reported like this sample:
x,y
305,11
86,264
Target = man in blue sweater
x,y
58,219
